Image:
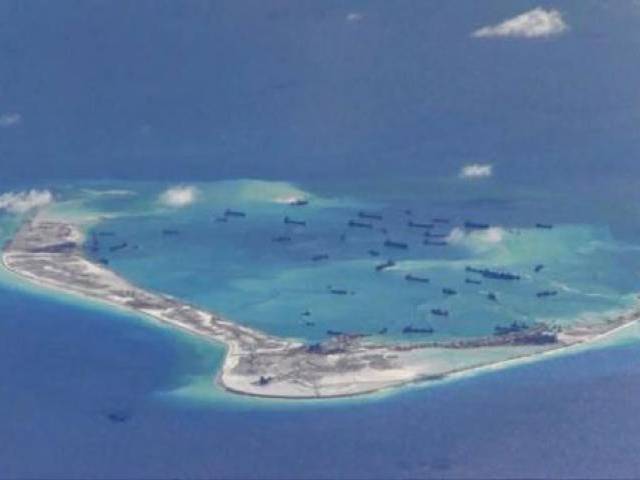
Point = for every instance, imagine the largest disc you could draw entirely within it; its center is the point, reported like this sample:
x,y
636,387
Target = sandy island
x,y
50,253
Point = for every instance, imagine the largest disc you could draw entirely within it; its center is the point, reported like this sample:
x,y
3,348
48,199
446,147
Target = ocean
x,y
371,106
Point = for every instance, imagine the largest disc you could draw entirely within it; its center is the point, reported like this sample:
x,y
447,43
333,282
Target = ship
x,y
118,416
500,275
334,332
299,202
290,221
440,312
472,281
538,268
414,278
545,226
281,239
475,225
385,265
392,244
170,231
338,291
357,224
514,327
449,291
429,234
492,274
119,246
413,224
435,243
369,215
547,293
412,329
234,213
320,256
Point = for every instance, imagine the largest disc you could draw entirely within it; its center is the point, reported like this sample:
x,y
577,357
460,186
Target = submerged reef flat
x,y
49,252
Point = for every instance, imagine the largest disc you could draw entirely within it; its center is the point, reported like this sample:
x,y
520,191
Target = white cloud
x,y
179,196
353,17
10,119
534,23
21,202
476,170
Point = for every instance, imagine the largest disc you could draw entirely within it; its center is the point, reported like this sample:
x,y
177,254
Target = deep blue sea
x,y
355,106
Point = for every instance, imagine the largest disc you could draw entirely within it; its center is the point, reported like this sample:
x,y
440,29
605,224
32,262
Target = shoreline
x,y
48,254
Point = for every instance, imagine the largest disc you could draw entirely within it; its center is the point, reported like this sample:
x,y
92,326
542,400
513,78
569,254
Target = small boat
x,y
117,247
357,224
382,331
385,265
106,234
435,243
414,278
429,234
492,296
538,268
374,253
118,416
234,213
281,239
306,313
472,282
547,293
545,226
334,332
104,261
412,329
170,231
440,220
392,244
319,257
449,291
440,312
413,224
290,221
338,291
221,219
299,202
369,215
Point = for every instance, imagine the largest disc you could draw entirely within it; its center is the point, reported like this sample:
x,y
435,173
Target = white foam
x,y
179,196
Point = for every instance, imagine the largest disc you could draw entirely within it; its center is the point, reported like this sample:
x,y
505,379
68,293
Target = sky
x,y
295,90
